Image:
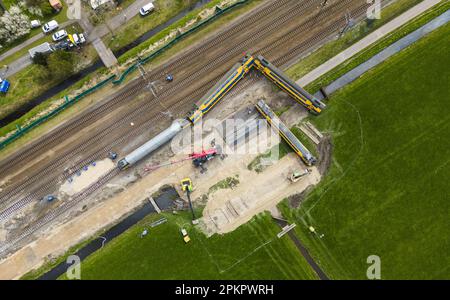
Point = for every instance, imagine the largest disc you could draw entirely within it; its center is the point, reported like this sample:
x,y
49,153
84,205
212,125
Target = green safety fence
x,y
68,102
22,130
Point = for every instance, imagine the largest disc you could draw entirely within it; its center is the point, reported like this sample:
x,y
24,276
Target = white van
x,y
146,9
50,26
59,35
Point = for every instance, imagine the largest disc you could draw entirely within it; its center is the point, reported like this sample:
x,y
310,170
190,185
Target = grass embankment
x,y
50,264
378,46
386,192
36,132
252,251
362,29
191,39
138,25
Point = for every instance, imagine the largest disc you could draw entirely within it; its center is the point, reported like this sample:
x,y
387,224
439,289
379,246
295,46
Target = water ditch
x,y
165,201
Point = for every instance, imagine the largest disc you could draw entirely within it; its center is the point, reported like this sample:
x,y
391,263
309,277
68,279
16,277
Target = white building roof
x,y
97,3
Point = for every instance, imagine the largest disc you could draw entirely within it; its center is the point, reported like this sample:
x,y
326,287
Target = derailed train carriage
x,y
299,94
225,84
285,133
218,91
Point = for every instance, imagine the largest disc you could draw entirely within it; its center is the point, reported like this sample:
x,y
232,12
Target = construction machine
x,y
295,176
186,186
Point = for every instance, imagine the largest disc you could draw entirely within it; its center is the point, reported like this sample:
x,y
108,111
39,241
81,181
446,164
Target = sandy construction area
x,y
226,208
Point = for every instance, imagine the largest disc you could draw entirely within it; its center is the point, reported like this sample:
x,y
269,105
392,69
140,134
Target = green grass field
x,y
138,25
253,251
387,190
378,46
352,36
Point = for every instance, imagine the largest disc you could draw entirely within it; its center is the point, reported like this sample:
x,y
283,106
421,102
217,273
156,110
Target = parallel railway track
x,y
138,109
276,52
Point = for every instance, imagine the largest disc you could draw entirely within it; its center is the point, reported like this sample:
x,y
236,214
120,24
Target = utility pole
x,y
349,22
152,88
190,204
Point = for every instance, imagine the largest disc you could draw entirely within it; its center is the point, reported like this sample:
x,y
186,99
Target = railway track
x,y
135,86
274,53
137,110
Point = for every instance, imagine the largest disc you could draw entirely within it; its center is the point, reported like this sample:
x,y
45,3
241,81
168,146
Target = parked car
x,y
59,35
35,23
64,45
50,26
4,86
146,9
77,38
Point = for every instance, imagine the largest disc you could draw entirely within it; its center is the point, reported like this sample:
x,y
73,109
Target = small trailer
x,y
44,48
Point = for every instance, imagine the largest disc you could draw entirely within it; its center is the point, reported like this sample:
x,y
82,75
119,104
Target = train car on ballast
x,y
152,145
218,91
300,95
285,133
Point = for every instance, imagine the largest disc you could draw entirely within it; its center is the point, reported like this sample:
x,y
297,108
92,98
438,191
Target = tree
x,y
40,59
35,2
13,25
42,73
61,64
46,8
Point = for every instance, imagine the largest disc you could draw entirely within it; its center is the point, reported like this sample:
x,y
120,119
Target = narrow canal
x,y
165,201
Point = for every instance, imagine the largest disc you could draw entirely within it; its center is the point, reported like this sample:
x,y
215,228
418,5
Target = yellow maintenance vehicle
x,y
186,186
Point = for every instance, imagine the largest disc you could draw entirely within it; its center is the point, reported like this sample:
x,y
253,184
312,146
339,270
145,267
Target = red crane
x,y
198,160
